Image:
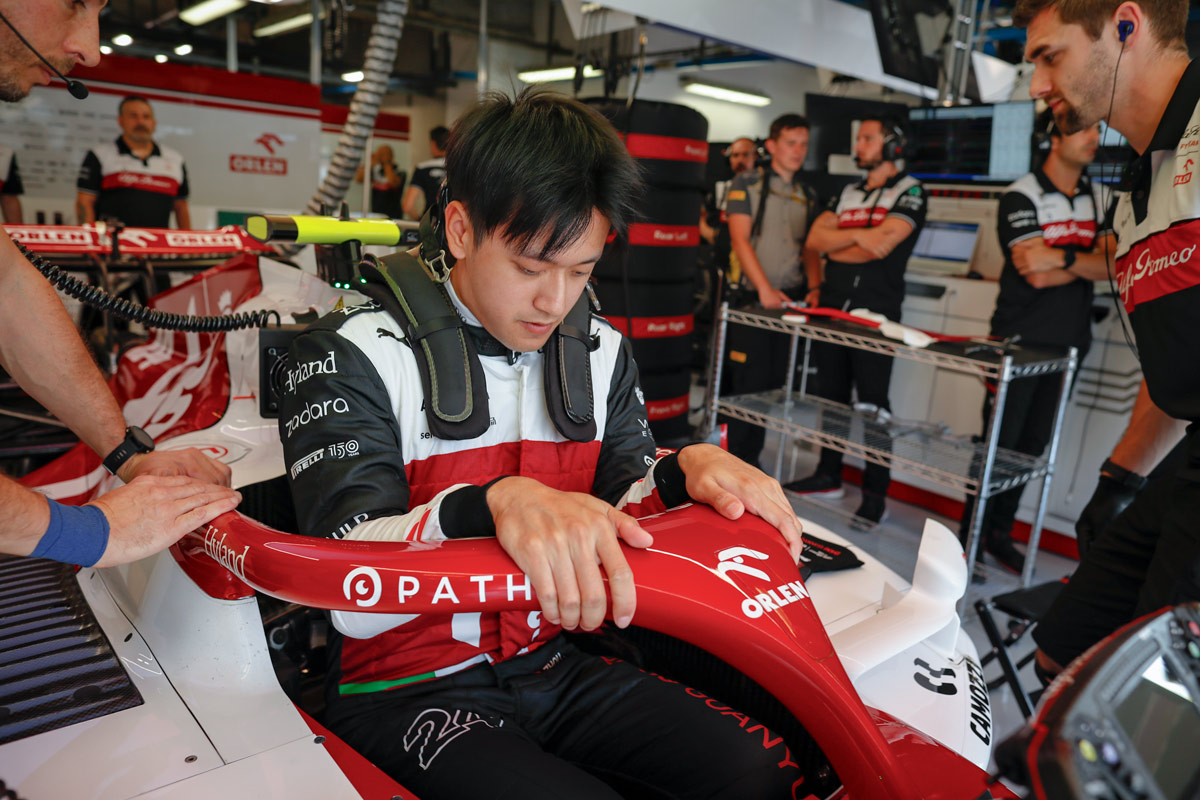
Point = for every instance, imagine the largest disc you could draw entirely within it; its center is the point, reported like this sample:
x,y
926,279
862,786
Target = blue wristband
x,y
76,535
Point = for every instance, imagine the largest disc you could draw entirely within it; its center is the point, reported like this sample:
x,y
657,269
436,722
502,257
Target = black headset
x,y
895,143
435,251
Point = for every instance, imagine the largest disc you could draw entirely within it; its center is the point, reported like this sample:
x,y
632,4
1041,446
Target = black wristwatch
x,y
1127,478
136,441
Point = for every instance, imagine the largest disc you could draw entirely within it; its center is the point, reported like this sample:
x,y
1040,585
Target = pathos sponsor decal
x,y
1163,264
365,587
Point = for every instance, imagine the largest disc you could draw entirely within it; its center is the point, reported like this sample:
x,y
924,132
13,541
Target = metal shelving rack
x,y
981,468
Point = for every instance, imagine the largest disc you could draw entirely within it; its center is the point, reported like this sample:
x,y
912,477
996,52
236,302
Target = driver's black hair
x,y
536,165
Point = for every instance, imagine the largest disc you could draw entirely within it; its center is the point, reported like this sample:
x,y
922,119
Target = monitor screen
x,y
946,241
984,142
1160,718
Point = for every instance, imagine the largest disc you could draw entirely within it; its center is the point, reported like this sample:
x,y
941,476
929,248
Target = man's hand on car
x,y
165,463
733,487
561,540
151,512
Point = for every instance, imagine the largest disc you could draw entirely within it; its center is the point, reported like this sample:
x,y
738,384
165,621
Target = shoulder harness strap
x,y
456,400
567,374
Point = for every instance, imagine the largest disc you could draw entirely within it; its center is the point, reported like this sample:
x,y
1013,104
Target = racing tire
x,y
670,141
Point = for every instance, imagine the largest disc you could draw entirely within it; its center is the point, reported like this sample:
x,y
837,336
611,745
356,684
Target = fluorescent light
x,y
183,50
160,58
122,40
727,93
283,25
353,77
207,11
105,50
552,74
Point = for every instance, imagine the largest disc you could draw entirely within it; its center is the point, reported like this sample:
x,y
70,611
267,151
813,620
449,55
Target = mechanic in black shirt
x,y
867,235
1129,63
427,177
133,178
1048,224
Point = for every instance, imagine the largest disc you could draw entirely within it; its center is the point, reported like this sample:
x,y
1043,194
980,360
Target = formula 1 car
x,y
166,678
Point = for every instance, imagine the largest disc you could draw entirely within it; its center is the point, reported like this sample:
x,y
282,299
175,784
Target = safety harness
x,y
412,290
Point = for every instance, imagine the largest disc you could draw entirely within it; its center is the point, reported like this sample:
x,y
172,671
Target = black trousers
x,y
838,371
1028,422
1147,558
558,723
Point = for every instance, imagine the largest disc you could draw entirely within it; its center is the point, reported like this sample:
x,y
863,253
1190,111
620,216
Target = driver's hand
x,y
732,487
561,540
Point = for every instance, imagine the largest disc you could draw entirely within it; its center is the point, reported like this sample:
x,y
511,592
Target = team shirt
x,y
428,177
789,212
1057,315
1157,222
140,193
876,285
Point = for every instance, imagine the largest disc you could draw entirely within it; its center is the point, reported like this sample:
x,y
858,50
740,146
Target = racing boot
x,y
870,512
819,484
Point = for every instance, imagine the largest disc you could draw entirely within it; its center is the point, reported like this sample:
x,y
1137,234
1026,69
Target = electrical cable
x,y
98,298
1108,265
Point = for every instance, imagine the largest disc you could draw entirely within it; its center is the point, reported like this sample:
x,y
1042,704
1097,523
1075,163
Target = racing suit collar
x,y
485,343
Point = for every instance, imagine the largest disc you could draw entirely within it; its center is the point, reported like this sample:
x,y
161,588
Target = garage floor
x,y
895,541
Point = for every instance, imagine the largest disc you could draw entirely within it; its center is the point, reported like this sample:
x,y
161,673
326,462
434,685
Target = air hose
x,y
378,59
98,298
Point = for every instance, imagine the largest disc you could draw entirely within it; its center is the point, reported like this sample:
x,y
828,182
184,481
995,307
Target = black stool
x,y
1025,607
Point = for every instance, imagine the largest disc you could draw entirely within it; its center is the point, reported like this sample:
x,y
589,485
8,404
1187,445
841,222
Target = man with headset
x,y
769,211
533,717
1048,222
42,351
867,235
1128,62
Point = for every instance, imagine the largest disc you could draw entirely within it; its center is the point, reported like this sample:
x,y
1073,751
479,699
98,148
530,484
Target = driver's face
x,y
517,296
66,32
1073,73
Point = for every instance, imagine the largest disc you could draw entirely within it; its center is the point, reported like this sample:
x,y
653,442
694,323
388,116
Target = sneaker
x,y
1004,553
817,485
870,512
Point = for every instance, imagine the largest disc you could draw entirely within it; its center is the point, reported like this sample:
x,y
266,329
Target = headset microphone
x,y
77,89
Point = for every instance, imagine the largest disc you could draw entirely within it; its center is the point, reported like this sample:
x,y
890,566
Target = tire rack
x,y
980,469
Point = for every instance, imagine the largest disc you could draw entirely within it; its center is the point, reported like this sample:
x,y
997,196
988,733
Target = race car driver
x,y
1128,63
500,704
41,349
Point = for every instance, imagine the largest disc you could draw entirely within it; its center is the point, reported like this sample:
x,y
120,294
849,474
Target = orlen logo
x,y
258,165
733,559
366,590
1145,266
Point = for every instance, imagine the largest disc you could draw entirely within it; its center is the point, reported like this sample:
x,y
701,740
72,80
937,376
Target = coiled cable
x,y
98,298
